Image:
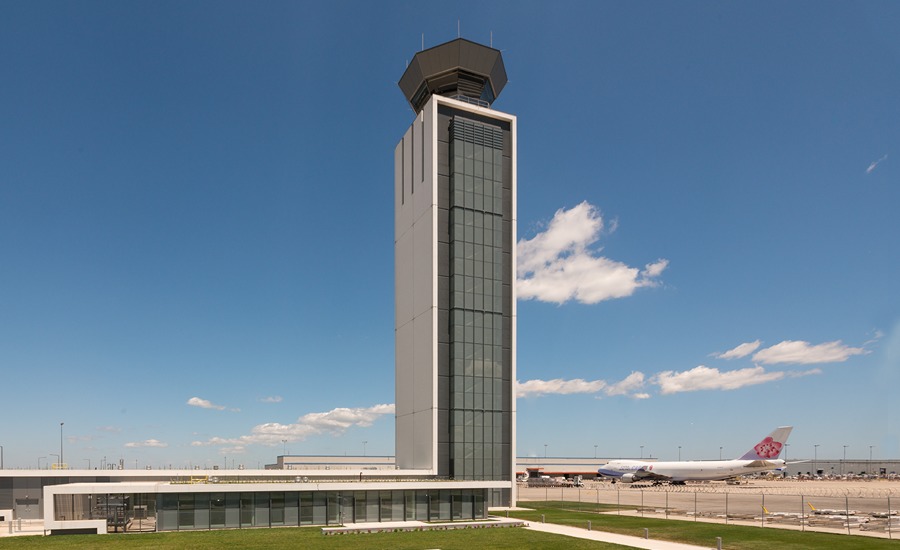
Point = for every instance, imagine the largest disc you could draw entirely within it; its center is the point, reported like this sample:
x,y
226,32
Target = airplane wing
x,y
762,464
643,473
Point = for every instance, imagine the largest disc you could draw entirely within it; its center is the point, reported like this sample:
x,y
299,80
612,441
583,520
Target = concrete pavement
x,y
624,540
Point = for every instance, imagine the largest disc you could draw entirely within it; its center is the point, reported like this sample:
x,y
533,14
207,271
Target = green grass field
x,y
734,537
312,537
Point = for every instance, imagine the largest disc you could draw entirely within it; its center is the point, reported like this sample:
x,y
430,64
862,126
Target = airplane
x,y
762,457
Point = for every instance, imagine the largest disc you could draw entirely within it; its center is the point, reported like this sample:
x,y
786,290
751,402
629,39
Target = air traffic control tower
x,y
454,248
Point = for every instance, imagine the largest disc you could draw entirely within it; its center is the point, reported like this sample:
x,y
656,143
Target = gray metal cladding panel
x,y
443,458
507,457
444,359
507,398
443,153
507,175
443,261
443,405
443,193
443,235
507,334
506,226
443,292
443,122
443,329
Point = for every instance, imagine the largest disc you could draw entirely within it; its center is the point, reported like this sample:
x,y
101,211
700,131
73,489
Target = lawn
x,y
734,537
513,538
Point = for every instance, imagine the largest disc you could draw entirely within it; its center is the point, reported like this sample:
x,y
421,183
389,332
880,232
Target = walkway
x,y
624,540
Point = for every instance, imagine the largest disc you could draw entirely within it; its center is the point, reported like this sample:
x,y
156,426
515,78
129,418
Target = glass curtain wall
x,y
476,301
192,511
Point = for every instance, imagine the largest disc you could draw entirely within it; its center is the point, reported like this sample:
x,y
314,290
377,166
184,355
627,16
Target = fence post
x,y
542,518
847,509
667,503
589,525
802,512
762,517
646,533
695,504
889,516
642,502
726,507
618,507
718,543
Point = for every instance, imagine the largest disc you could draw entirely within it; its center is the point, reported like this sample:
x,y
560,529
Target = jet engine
x,y
627,478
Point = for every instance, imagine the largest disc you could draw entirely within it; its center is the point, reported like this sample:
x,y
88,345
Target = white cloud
x,y
875,164
272,399
147,443
742,350
204,404
335,422
558,386
706,378
799,352
558,265
631,383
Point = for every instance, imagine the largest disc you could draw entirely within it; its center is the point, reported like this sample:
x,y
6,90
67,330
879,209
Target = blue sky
x,y
196,225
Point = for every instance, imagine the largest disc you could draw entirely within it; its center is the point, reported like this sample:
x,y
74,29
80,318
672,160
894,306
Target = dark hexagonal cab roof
x,y
459,68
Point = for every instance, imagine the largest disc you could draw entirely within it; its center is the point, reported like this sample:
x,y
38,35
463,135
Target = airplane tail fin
x,y
771,446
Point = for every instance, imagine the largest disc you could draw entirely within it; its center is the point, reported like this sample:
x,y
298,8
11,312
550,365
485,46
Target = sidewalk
x,y
624,540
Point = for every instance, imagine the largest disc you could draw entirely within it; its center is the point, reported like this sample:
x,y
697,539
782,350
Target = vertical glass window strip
x,y
476,215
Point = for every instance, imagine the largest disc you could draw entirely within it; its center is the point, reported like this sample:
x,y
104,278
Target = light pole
x,y
545,450
89,463
39,461
60,444
642,451
57,459
284,447
844,460
815,460
595,452
1,456
679,453
720,452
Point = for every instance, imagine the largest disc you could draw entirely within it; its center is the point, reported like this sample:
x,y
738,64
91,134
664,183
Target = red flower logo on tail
x,y
768,448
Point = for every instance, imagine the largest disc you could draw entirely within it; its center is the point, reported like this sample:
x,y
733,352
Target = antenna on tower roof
x,y
492,39
423,42
457,27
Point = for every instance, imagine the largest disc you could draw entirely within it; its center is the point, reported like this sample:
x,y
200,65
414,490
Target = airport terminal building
x,y
455,231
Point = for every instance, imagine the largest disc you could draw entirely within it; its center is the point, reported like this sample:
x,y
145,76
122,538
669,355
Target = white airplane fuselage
x,y
630,471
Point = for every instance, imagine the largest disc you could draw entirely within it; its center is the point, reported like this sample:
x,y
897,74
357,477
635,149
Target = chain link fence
x,y
853,510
